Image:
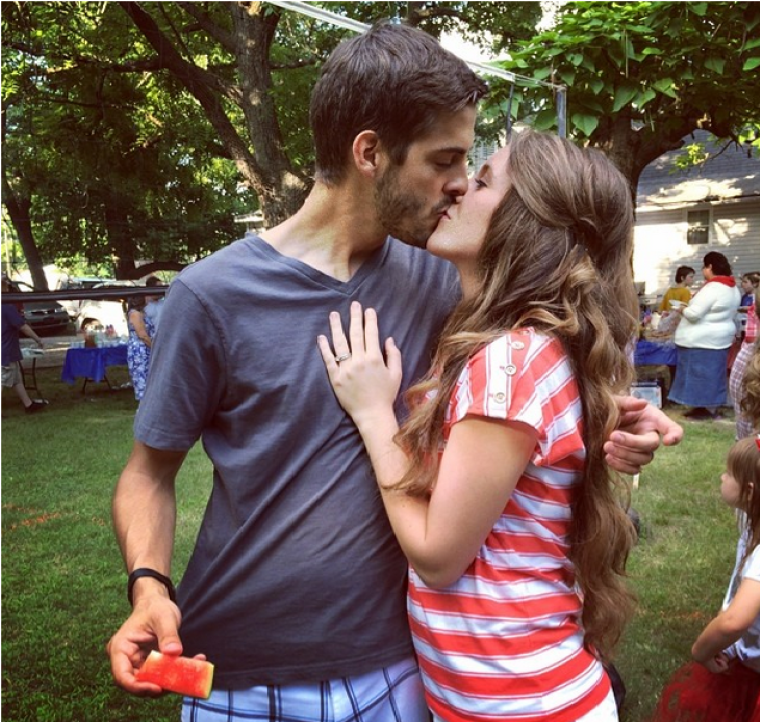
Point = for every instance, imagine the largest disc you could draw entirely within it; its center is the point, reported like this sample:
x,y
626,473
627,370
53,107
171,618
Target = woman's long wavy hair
x,y
556,257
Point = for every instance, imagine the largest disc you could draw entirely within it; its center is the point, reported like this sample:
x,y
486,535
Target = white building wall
x,y
660,244
737,229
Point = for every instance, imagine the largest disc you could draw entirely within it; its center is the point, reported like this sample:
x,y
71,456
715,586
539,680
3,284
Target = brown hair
x,y
718,262
682,272
557,257
744,465
393,79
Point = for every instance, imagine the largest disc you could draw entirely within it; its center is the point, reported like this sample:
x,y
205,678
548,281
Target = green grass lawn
x,y
63,583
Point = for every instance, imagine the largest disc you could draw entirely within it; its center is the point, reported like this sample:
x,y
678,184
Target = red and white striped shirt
x,y
750,330
504,641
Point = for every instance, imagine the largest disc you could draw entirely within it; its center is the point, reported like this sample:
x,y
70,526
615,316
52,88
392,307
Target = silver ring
x,y
342,357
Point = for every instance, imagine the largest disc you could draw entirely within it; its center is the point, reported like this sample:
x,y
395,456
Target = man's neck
x,y
334,231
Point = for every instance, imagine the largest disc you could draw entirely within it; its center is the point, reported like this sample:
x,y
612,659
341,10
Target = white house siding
x,y
727,184
660,244
737,229
659,247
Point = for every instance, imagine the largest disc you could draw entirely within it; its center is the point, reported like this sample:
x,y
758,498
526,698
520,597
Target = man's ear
x,y
367,153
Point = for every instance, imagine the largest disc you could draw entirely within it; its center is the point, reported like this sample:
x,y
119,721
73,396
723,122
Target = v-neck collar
x,y
369,265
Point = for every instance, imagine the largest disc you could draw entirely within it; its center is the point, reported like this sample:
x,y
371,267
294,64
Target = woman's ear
x,y
367,154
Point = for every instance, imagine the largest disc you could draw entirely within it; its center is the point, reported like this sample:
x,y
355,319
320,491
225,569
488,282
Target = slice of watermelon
x,y
191,677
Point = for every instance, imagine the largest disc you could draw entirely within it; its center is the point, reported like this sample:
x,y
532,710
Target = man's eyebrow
x,y
458,149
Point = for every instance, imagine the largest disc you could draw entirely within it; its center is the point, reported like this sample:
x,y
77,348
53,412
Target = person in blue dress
x,y
141,330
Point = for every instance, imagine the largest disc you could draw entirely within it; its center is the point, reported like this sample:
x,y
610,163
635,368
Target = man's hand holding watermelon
x,y
153,624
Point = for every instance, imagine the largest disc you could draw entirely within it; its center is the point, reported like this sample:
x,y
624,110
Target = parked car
x,y
76,283
45,317
97,315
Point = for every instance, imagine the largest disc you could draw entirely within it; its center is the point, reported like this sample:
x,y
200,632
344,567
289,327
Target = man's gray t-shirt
x,y
296,575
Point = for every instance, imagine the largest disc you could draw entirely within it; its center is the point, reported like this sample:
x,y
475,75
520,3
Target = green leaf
x,y
645,97
545,119
651,51
623,95
567,76
751,64
628,48
698,8
592,106
587,124
665,86
542,73
750,44
715,64
596,85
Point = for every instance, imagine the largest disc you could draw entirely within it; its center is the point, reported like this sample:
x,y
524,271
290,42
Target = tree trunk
x,y
119,237
267,169
281,192
18,211
633,149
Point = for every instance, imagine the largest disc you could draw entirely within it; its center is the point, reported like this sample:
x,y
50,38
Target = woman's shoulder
x,y
520,348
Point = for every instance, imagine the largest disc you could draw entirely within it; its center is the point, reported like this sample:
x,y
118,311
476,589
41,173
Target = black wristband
x,y
145,572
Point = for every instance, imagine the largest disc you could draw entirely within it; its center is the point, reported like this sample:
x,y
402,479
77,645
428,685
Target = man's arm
x,y
27,330
637,437
144,516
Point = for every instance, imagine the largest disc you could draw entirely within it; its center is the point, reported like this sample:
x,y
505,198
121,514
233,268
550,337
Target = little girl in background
x,y
722,684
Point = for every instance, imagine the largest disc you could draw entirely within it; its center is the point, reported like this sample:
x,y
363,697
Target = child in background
x,y
722,684
679,292
749,284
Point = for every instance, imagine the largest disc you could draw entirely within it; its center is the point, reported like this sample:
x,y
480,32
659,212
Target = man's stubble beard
x,y
400,212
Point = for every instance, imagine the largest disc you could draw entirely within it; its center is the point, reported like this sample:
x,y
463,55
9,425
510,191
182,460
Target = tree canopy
x,y
643,75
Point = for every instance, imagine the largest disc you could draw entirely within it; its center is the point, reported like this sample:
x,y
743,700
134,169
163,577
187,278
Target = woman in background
x,y
704,338
141,330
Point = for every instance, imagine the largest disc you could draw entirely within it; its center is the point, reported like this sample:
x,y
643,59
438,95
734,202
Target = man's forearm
x,y
27,330
144,511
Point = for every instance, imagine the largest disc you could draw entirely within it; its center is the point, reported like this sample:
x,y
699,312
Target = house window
x,y
698,223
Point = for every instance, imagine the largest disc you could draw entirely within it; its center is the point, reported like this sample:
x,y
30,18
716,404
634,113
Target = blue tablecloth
x,y
649,353
91,363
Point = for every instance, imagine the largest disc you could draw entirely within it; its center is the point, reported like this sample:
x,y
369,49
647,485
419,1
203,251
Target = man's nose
x,y
458,183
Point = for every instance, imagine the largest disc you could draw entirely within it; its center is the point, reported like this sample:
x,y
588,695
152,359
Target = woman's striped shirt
x,y
505,642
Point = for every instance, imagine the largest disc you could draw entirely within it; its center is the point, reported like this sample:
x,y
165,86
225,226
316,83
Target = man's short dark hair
x,y
393,79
